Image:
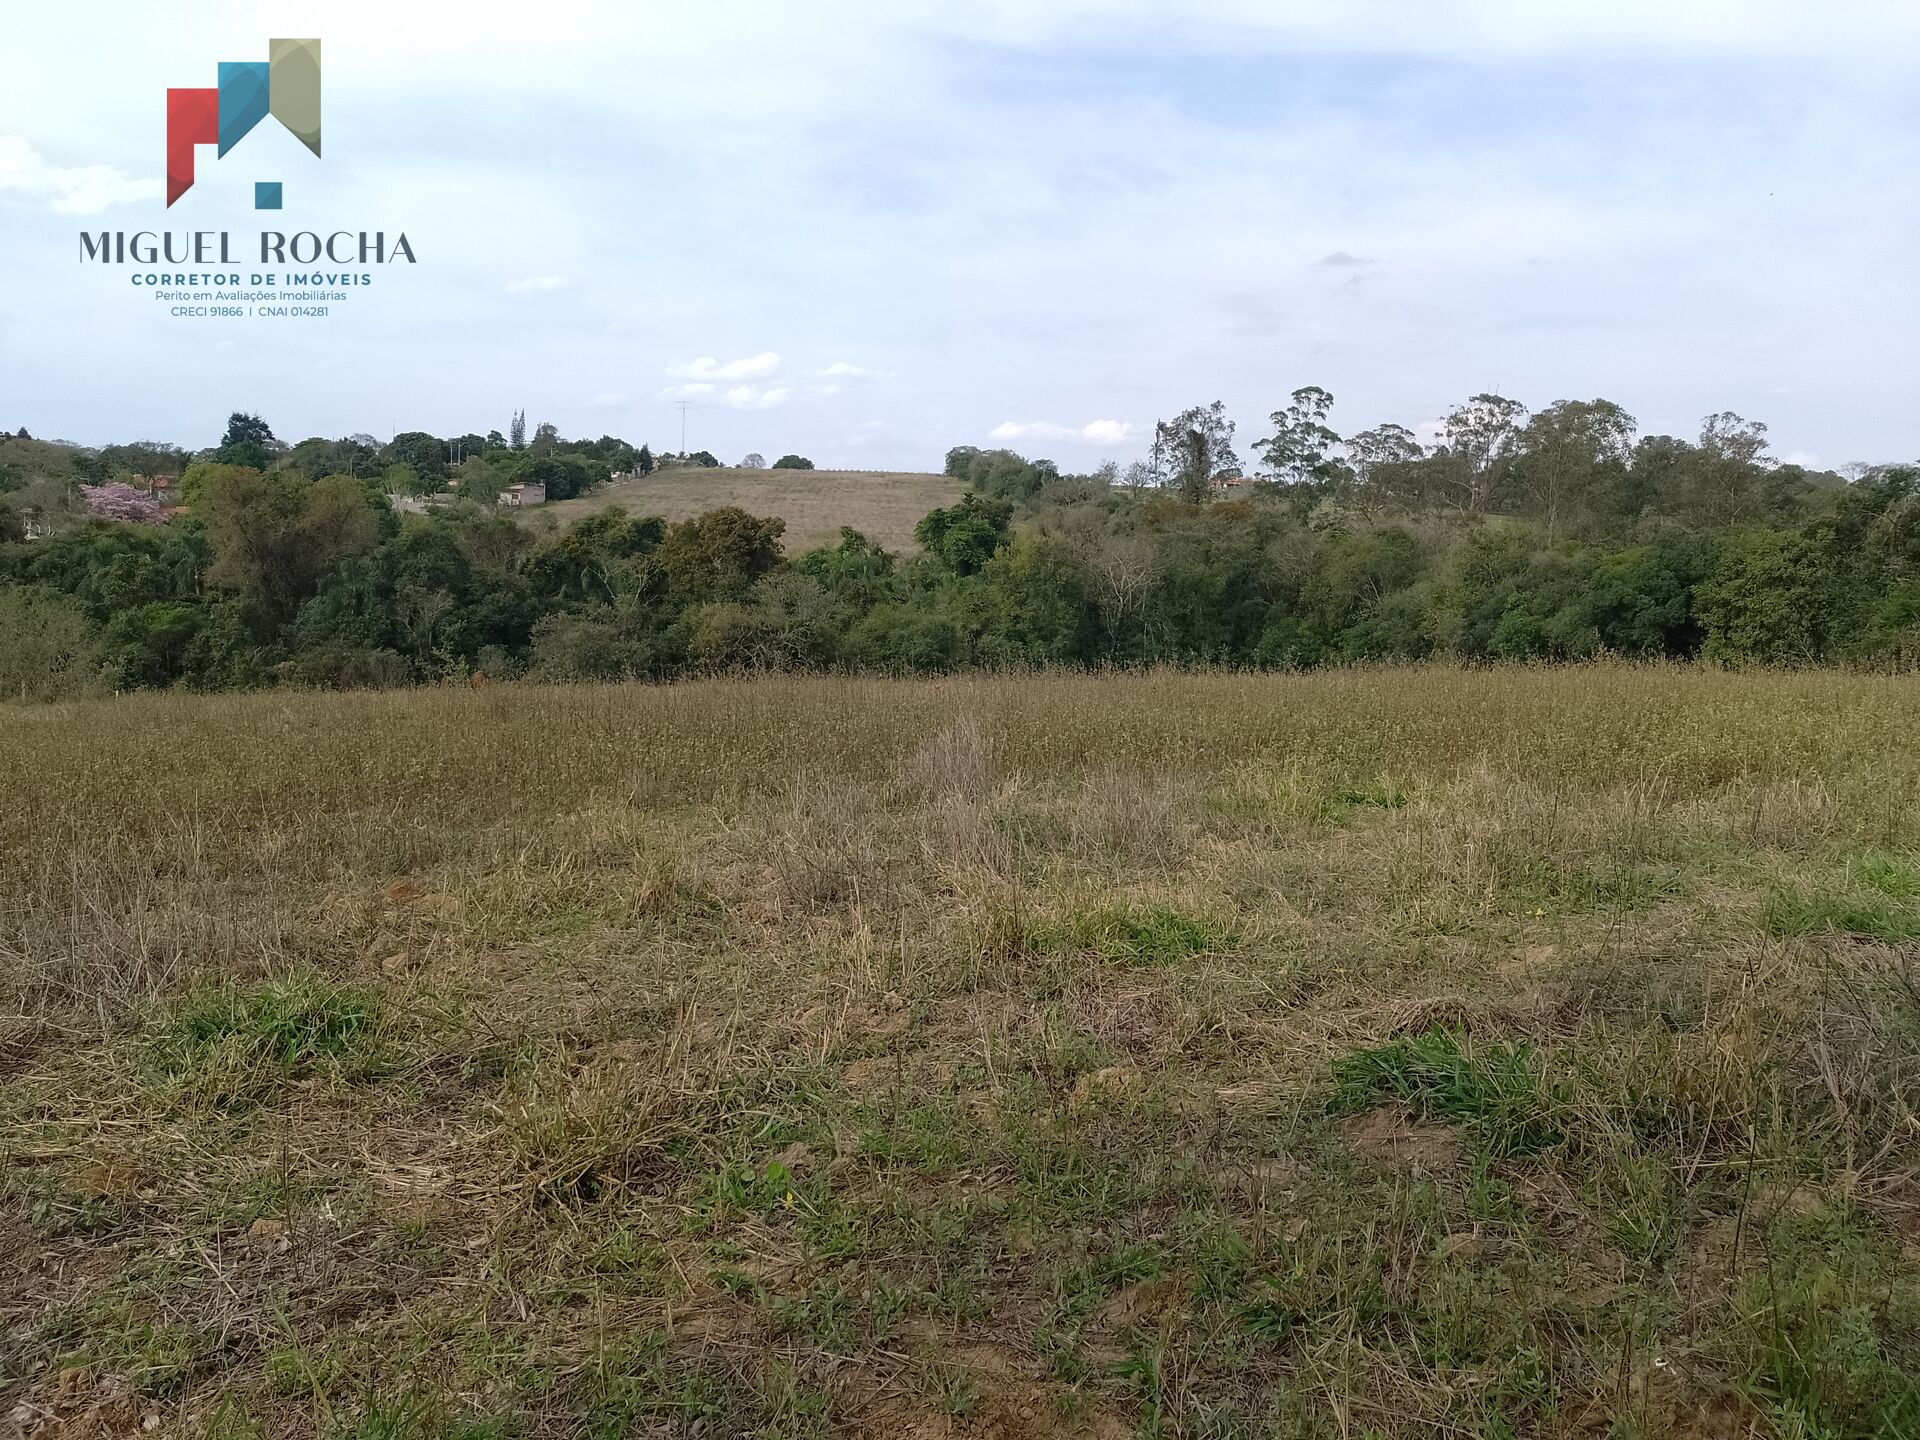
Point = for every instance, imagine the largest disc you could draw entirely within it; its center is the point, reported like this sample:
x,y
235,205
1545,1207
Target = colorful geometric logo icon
x,y
286,85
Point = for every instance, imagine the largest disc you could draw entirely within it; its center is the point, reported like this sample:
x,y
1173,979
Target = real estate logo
x,y
290,275
286,85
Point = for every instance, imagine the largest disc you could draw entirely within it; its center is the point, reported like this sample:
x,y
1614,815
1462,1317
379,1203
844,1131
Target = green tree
x,y
248,442
1642,598
1727,479
1213,574
1502,594
481,478
143,458
1301,449
1766,600
274,537
1379,460
424,454
429,594
908,639
52,651
564,476
598,559
1350,577
317,457
1481,438
619,641
793,462
1566,456
1003,475
151,647
1199,443
964,537
1038,609
788,623
719,555
856,569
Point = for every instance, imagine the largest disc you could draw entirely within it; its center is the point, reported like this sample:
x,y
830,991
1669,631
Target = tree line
x,y
1555,535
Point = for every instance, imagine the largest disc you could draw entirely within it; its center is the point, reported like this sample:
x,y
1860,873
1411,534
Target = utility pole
x,y
685,405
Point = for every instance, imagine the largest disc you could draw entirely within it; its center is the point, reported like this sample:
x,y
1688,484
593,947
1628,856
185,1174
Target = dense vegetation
x,y
1558,535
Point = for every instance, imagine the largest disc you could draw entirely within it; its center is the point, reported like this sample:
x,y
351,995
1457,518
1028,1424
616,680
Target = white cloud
x,y
841,376
69,190
752,397
609,401
739,397
1098,432
536,284
758,367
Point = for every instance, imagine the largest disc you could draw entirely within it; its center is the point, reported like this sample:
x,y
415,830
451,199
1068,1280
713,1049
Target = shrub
x,y
50,650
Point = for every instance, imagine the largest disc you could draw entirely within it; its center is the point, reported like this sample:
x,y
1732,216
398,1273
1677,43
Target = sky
x,y
869,230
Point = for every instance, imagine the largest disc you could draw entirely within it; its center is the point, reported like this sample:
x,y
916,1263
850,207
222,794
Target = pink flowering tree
x,y
118,501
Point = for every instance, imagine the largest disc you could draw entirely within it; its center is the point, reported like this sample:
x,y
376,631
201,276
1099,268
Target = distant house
x,y
164,488
526,492
1230,487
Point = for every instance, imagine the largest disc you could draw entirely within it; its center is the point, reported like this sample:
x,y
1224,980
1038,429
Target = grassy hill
x,y
884,506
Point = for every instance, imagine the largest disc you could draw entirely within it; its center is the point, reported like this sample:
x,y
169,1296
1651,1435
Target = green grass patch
x,y
290,1022
1491,1087
1870,917
1133,935
1551,884
1895,876
231,1044
1826,1337
1379,795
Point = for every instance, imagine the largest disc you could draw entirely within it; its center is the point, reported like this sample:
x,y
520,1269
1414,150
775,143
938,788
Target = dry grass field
x,y
1417,1053
814,503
